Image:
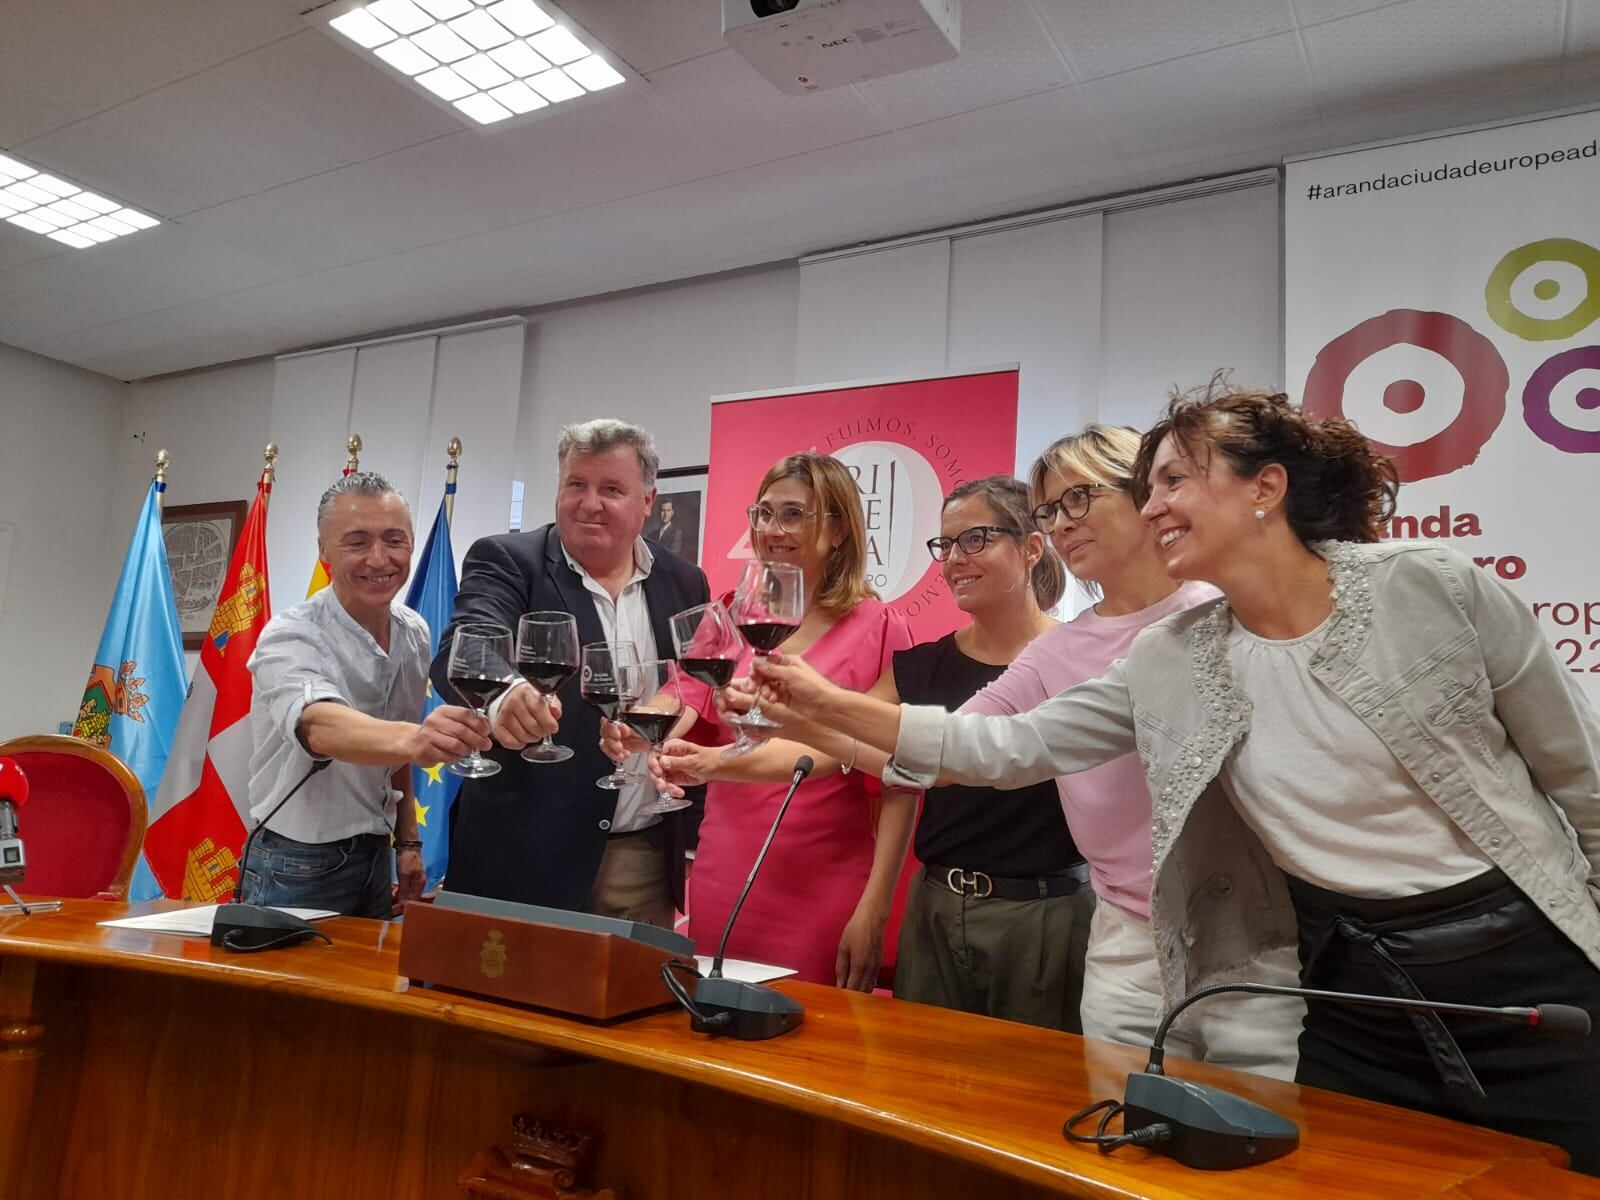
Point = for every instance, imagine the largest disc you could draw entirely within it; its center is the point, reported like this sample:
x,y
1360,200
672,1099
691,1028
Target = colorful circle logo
x,y
1537,397
1503,308
1482,370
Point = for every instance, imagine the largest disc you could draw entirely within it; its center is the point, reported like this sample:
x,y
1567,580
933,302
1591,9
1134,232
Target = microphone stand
x,y
730,1007
1212,1129
246,928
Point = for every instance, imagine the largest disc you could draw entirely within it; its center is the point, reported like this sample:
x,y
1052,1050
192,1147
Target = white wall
x,y
653,357
62,513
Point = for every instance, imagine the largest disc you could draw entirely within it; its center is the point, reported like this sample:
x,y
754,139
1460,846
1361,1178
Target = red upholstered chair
x,y
84,820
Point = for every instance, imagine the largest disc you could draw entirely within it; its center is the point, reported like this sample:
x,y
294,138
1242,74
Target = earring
x,y
1261,514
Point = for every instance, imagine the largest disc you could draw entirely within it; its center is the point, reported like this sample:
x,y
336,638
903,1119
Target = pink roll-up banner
x,y
907,442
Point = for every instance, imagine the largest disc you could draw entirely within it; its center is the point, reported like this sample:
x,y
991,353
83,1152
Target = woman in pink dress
x,y
824,892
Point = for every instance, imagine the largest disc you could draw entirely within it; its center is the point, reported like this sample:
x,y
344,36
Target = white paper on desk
x,y
745,972
197,920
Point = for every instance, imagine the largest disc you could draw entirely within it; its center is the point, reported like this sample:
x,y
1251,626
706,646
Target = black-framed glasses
x,y
787,518
972,541
1072,503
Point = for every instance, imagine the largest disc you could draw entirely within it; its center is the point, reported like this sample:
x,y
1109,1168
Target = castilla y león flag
x,y
197,824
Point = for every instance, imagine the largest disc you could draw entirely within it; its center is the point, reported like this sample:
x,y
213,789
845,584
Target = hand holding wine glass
x,y
611,682
768,608
653,714
479,670
709,649
547,656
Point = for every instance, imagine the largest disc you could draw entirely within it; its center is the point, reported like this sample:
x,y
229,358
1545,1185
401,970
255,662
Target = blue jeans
x,y
350,877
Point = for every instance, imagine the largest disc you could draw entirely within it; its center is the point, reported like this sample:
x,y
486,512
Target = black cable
x,y
1105,1142
231,940
244,853
681,994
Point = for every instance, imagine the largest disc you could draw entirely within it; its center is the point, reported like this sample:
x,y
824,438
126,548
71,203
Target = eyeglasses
x,y
972,541
1072,503
788,518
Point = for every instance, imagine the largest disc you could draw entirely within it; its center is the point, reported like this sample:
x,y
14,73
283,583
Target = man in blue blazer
x,y
543,833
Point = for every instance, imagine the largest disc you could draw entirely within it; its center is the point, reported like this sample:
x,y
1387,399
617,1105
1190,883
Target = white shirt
x,y
627,619
316,651
1329,801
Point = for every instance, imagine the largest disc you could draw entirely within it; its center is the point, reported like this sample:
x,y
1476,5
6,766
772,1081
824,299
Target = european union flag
x,y
433,594
137,685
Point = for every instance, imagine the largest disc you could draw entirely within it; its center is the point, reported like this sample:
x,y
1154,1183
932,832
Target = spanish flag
x,y
198,821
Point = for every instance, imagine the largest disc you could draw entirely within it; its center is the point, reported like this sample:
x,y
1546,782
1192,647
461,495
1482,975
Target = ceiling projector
x,y
807,45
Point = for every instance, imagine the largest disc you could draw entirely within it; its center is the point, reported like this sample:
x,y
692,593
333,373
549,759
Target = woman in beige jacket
x,y
1368,748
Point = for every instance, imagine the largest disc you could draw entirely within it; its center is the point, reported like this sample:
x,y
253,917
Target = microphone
x,y
1206,1127
13,795
245,928
730,1007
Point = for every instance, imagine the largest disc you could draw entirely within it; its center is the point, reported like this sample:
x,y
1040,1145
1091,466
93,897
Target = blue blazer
x,y
535,833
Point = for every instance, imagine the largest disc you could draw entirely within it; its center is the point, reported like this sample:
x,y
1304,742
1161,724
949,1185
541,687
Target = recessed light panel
x,y
493,63
46,204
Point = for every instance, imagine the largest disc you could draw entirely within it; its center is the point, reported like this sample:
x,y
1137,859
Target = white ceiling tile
x,y
1005,53
721,100
1434,52
303,105
1582,66
21,246
1226,100
1102,37
1311,12
651,34
63,60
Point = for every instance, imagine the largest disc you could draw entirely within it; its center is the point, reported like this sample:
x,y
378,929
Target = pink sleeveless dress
x,y
820,860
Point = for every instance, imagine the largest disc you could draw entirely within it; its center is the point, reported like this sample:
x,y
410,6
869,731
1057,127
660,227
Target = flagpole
x,y
162,463
353,463
453,449
269,472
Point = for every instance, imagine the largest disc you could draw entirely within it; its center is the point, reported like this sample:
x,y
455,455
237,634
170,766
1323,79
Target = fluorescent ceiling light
x,y
558,45
404,56
446,84
402,16
522,17
519,58
482,30
443,43
519,97
594,72
483,72
491,62
362,28
483,108
58,208
555,87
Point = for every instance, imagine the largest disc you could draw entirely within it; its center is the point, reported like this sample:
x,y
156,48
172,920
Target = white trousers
x,y
1122,1002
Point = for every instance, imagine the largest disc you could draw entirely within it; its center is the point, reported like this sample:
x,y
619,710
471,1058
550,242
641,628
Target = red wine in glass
x,y
611,683
479,670
767,607
479,691
766,636
713,672
547,656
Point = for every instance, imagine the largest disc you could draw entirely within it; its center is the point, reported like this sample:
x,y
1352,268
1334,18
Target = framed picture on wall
x,y
200,539
678,520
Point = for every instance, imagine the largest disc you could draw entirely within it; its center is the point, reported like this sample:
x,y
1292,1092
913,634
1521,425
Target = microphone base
x,y
244,927
755,1013
1212,1130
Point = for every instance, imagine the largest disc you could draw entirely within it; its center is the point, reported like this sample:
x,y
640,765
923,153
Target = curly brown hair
x,y
1339,488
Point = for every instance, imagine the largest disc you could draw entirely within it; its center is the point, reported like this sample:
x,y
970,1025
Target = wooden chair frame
x,y
138,810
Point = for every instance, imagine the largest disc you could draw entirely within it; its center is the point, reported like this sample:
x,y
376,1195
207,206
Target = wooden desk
x,y
158,1066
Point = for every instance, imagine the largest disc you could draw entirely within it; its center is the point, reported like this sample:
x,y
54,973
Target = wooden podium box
x,y
567,962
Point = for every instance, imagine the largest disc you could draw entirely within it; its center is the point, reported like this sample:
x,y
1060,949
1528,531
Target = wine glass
x,y
653,714
709,649
767,608
480,669
547,656
611,683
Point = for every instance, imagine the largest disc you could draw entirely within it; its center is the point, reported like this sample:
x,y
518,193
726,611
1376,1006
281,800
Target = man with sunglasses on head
x,y
544,833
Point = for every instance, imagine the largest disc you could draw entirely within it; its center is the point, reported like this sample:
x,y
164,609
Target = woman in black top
x,y
997,919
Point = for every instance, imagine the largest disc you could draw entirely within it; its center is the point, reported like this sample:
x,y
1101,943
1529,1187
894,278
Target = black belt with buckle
x,y
978,885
